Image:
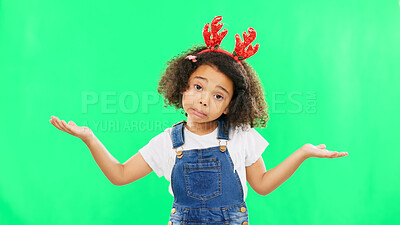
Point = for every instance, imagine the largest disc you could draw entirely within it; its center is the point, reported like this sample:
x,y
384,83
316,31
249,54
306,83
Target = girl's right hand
x,y
320,151
84,133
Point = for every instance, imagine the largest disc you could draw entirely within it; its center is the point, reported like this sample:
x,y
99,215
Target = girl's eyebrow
x,y
205,79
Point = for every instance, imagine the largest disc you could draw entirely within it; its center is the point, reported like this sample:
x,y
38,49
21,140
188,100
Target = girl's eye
x,y
198,87
219,97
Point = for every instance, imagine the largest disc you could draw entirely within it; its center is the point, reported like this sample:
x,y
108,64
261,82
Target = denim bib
x,y
206,188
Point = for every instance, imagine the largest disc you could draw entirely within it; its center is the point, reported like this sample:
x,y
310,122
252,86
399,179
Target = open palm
x,y
71,128
320,151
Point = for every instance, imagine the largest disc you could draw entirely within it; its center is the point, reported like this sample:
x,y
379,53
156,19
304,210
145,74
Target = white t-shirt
x,y
244,147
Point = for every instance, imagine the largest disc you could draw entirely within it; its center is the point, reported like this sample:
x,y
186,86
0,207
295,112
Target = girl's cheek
x,y
217,104
189,97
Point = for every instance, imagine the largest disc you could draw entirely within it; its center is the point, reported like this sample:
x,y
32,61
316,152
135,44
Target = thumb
x,y
321,146
71,123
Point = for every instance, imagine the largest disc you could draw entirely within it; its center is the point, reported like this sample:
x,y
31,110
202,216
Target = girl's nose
x,y
204,99
202,102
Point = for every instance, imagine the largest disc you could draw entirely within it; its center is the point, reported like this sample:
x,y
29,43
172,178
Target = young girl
x,y
209,157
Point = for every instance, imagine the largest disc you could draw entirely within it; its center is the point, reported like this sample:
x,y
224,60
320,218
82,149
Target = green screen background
x,y
330,70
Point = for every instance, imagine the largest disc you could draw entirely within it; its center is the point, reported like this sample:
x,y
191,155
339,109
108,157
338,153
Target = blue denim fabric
x,y
206,188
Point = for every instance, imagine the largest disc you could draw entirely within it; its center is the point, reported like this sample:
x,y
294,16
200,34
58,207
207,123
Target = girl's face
x,y
208,95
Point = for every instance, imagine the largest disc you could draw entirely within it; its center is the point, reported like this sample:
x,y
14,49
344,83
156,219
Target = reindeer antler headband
x,y
213,40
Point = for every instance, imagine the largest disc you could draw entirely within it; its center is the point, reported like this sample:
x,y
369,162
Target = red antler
x,y
213,43
240,52
216,38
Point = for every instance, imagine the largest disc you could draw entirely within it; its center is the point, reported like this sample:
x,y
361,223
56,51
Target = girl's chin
x,y
194,119
197,119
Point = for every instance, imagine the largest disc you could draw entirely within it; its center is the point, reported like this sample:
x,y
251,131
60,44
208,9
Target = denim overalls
x,y
206,188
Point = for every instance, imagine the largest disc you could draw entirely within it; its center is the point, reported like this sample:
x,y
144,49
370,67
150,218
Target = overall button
x,y
243,209
173,211
169,223
244,223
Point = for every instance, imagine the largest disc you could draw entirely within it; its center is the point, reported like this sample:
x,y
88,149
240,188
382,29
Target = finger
x,y
58,122
333,154
54,122
321,146
71,123
69,128
336,154
327,154
64,126
341,154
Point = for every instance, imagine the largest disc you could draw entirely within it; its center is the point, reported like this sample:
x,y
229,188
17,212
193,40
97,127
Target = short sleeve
x,y
155,154
255,145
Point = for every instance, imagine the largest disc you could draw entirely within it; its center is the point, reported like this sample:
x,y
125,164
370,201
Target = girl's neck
x,y
201,128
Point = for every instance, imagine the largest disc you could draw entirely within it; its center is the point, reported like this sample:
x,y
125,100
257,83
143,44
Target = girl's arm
x,y
118,174
264,182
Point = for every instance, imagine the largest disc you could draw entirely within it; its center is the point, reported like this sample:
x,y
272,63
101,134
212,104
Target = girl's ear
x,y
226,110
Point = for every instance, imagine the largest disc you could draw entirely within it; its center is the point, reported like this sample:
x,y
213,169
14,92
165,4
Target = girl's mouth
x,y
197,113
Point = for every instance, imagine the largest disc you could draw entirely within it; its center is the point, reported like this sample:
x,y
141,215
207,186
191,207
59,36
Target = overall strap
x,y
223,130
178,138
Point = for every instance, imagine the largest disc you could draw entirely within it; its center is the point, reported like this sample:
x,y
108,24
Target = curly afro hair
x,y
247,106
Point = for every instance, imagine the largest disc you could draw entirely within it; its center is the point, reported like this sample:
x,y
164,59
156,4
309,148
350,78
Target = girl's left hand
x,y
320,151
